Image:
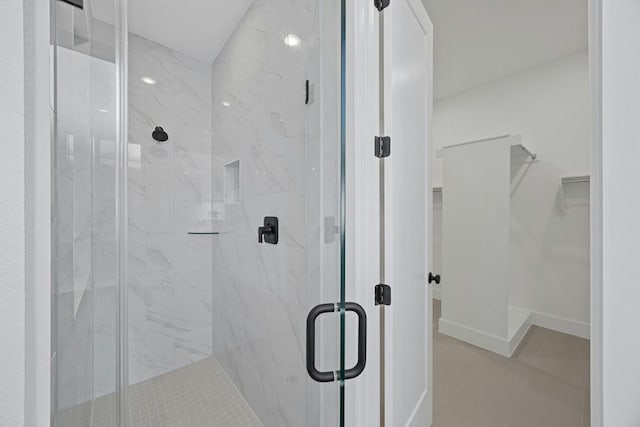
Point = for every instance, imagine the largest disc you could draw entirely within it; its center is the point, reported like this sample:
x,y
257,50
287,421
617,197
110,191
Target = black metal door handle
x,y
328,376
323,377
362,341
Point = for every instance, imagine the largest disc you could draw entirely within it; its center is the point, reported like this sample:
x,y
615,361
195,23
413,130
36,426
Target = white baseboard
x,y
502,346
560,324
519,324
506,347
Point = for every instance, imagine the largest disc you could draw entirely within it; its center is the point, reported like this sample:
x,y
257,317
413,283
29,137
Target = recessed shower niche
x,y
232,182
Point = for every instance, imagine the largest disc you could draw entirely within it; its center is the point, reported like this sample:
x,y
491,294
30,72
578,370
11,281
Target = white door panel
x,y
408,82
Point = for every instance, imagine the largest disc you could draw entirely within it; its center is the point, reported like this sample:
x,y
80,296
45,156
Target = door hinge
x,y
381,4
383,294
382,146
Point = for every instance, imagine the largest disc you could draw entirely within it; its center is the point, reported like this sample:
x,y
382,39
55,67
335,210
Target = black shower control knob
x,y
268,232
433,278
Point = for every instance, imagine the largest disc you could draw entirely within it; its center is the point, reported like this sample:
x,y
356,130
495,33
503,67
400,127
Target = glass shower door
x,y
84,309
198,213
234,213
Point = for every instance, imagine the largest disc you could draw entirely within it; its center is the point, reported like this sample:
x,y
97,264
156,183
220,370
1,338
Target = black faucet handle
x,y
269,231
264,230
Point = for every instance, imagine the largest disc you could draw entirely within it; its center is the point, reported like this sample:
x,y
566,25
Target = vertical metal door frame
x,y
343,200
121,210
381,161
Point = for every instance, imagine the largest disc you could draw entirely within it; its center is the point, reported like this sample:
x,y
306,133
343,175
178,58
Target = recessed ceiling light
x,y
291,40
102,110
226,103
148,80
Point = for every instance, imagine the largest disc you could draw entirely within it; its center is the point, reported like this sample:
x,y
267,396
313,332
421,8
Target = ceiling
x,y
480,41
199,28
476,41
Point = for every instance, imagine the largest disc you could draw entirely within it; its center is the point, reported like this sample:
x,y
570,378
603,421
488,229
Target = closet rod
x,y
572,179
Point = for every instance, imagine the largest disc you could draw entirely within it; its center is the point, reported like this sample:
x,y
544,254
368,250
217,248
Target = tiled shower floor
x,y
198,395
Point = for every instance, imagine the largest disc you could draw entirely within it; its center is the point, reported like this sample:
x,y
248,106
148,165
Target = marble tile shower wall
x,y
263,292
170,193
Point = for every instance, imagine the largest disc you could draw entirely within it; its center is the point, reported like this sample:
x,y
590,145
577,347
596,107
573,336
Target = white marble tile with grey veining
x,y
260,121
170,275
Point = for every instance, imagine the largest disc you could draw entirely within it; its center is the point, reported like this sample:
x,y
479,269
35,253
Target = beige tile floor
x,y
198,395
544,384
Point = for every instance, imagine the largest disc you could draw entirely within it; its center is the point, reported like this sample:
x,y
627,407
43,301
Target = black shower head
x,y
159,134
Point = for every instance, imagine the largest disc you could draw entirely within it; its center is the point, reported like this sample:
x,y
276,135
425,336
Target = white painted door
x,y
408,41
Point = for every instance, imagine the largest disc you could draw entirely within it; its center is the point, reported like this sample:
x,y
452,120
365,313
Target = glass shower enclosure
x,y
199,213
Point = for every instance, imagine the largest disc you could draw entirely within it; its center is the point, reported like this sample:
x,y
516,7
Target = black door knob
x,y
433,278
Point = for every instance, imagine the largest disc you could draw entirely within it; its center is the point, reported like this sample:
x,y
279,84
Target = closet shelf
x,y
516,144
575,179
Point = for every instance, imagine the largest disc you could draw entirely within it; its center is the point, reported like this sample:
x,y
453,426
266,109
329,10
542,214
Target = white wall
x,y
548,105
549,251
475,250
12,298
620,211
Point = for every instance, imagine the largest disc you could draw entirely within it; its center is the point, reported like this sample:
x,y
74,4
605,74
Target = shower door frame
x,y
121,209
363,205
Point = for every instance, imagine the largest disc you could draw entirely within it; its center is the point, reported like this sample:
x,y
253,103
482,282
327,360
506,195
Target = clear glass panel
x,y
84,305
217,321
